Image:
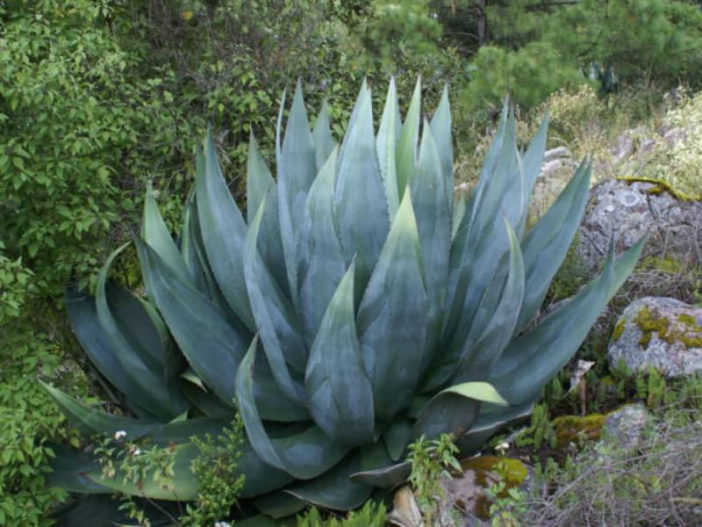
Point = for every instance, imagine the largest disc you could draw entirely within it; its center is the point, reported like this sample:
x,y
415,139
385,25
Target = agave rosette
x,y
356,307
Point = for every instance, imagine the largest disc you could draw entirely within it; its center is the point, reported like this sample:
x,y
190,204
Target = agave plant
x,y
355,308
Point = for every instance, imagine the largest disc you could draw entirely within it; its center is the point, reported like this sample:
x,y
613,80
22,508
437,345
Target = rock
x,y
625,425
555,153
630,210
405,512
660,332
631,142
675,136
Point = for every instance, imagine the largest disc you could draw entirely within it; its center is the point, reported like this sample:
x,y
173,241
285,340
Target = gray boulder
x,y
624,426
630,210
660,332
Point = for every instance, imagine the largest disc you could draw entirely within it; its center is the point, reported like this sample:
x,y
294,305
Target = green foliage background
x,y
98,97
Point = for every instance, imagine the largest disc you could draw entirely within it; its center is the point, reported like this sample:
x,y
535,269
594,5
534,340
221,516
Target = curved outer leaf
x,y
321,262
339,391
441,131
493,328
546,245
297,167
155,233
361,210
385,477
305,455
385,144
407,145
223,231
212,345
275,318
491,420
533,358
534,156
139,347
334,489
278,505
321,134
69,469
479,244
92,338
260,186
453,410
184,485
258,179
428,188
94,421
189,245
392,320
396,436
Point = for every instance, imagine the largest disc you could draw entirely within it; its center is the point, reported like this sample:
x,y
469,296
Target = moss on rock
x,y
650,321
575,429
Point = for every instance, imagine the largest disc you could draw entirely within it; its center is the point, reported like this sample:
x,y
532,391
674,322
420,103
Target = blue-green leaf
x,y
441,131
223,231
392,318
276,320
213,345
258,179
386,143
361,208
339,391
321,259
407,146
323,141
533,358
304,455
546,245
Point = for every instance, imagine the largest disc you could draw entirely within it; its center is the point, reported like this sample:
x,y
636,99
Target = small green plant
x,y
540,431
372,514
507,503
217,470
431,460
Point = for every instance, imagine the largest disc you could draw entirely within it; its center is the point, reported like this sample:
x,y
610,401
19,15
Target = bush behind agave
x,y
354,309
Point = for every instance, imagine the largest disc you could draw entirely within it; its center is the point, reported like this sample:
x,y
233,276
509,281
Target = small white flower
x,y
120,434
502,447
137,451
222,524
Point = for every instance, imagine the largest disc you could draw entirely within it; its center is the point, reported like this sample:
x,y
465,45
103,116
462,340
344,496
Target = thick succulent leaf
x,y
392,319
396,436
338,387
258,179
493,327
129,330
92,421
385,144
428,188
183,485
205,402
533,358
155,233
188,244
322,136
385,477
108,510
276,319
491,419
223,231
92,338
304,455
546,245
69,469
407,146
278,505
297,167
270,245
453,410
459,210
321,259
479,245
361,209
212,345
534,155
334,490
441,131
